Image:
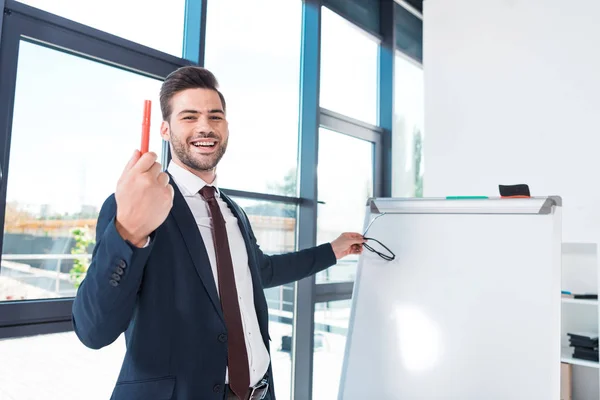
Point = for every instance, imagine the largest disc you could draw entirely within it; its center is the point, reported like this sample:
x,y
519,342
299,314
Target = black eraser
x,y
514,190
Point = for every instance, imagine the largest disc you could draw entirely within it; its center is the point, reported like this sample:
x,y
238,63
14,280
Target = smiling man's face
x,y
197,129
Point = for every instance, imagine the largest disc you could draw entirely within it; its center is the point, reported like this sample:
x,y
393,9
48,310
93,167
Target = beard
x,y
195,161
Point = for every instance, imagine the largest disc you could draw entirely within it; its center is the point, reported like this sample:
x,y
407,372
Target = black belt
x,y
256,392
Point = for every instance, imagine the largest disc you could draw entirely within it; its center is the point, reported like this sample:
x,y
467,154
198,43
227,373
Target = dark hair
x,y
189,77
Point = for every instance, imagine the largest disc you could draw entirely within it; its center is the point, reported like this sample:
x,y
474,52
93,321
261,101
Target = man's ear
x,y
165,131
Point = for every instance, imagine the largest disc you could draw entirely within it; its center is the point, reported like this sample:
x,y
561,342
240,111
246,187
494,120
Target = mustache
x,y
210,135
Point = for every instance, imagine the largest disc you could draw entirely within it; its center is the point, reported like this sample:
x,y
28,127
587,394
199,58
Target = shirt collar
x,y
188,183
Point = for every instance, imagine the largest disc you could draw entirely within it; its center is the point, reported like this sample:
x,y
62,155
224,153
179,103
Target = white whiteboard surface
x,y
469,309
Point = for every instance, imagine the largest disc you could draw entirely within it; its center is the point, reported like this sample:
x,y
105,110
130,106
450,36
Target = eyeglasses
x,y
378,248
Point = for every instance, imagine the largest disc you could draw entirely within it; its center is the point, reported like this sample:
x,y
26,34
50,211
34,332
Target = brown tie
x,y
237,356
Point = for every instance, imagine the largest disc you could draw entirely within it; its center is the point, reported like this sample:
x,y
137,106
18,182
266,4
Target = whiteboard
x,y
470,307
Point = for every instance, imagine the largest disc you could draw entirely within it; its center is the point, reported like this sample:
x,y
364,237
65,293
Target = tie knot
x,y
208,192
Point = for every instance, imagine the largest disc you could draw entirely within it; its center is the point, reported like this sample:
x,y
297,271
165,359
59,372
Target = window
x,y
64,162
256,59
331,329
364,13
408,135
345,182
274,225
135,20
409,32
33,370
348,69
58,367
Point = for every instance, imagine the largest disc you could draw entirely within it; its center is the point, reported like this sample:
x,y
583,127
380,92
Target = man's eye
x,y
189,117
216,117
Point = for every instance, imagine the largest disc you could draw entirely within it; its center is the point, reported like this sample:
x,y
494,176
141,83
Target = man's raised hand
x,y
144,198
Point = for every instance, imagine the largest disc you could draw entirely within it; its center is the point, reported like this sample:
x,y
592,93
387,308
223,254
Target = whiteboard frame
x,y
467,205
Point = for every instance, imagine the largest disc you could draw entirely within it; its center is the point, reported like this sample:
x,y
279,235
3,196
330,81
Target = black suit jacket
x,y
164,298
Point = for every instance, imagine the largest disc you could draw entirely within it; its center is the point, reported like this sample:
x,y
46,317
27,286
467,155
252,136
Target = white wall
x,y
512,95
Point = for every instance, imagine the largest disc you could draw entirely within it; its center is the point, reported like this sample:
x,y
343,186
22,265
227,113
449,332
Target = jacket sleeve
x,y
276,270
280,269
106,298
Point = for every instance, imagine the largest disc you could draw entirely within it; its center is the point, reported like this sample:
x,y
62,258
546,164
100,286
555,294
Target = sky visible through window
x,y
147,22
78,121
408,136
75,125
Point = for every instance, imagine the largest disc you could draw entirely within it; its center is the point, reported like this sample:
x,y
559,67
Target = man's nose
x,y
204,125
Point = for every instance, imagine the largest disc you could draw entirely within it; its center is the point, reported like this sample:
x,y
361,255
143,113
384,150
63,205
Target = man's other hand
x,y
348,243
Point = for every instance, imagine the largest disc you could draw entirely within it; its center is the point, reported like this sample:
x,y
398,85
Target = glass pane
x,y
135,20
274,225
90,129
331,329
348,68
417,4
58,367
256,58
408,135
364,13
409,32
345,183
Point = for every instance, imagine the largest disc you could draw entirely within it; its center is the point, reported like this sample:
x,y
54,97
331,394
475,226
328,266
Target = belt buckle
x,y
264,384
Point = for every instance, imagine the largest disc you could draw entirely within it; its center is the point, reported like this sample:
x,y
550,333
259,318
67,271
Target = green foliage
x,y
286,188
418,159
80,265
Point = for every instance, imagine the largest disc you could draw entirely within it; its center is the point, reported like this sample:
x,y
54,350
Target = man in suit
x,y
177,267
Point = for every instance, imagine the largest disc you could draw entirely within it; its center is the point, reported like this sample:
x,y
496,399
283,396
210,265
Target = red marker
x,y
146,127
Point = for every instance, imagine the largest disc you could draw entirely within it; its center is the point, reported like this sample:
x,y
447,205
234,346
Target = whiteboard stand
x,y
470,308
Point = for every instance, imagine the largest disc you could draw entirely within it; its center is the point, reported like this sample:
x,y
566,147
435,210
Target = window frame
x,y
374,135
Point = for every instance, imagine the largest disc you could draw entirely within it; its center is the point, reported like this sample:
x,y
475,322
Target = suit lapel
x,y
195,246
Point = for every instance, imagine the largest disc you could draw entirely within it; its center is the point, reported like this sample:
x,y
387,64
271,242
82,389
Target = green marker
x,y
466,197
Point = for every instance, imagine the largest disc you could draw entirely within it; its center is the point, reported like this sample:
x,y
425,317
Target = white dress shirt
x,y
190,185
